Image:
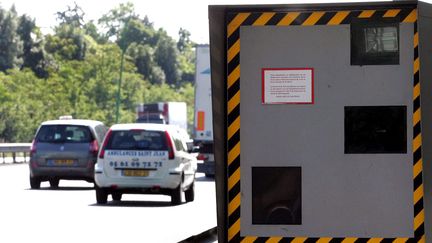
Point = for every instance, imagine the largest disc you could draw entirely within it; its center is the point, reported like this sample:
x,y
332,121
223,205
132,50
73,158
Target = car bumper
x,y
170,181
72,173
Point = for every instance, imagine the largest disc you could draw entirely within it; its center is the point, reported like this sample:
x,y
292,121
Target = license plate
x,y
135,172
62,162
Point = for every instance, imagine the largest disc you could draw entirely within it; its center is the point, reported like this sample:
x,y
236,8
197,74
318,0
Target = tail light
x,y
202,157
107,138
94,147
170,146
33,148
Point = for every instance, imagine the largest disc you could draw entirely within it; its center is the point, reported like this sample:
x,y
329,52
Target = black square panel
x,y
375,129
276,196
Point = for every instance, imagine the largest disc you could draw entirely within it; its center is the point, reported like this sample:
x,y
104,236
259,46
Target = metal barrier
x,y
14,148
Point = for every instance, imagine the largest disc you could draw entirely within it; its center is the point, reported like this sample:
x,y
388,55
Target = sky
x,y
170,15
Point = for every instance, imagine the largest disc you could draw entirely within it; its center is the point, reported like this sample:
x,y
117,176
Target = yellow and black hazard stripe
x,y
305,18
417,145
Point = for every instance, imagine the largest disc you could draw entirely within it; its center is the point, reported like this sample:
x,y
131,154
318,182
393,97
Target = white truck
x,y
203,122
173,113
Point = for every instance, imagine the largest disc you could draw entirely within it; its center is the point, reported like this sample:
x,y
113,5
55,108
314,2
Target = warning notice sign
x,y
287,86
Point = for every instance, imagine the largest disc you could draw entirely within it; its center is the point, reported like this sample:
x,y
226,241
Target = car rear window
x,y
137,140
64,133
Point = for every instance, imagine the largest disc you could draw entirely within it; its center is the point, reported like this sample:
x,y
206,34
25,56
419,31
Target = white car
x,y
144,158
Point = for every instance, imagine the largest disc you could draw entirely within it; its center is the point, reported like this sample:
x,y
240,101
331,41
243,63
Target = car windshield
x,y
137,140
64,133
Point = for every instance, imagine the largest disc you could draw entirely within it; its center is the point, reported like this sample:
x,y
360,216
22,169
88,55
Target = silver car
x,y
65,149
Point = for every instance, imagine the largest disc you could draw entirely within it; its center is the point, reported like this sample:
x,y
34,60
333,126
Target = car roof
x,y
81,122
145,126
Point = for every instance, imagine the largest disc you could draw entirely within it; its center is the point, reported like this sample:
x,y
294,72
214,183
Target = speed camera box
x,y
319,121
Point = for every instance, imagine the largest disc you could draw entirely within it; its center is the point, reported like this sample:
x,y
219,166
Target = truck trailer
x,y
173,113
203,122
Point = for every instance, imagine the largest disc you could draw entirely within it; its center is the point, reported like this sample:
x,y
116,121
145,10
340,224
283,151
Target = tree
x,y
10,43
158,57
91,30
114,21
34,55
73,16
5,100
143,56
67,43
166,56
187,55
76,70
69,40
20,114
134,31
184,43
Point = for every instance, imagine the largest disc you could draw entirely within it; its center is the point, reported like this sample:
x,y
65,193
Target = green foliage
x,y
34,55
134,31
184,43
187,55
75,71
20,115
115,20
10,43
67,43
91,30
168,60
73,16
143,56
166,56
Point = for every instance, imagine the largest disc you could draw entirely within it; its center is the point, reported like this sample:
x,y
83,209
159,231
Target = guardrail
x,y
14,148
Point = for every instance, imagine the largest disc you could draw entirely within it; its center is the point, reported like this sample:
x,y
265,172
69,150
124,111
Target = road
x,y
70,213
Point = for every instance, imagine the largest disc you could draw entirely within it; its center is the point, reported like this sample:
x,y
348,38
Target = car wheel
x,y
35,182
54,183
190,193
101,196
116,196
176,195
